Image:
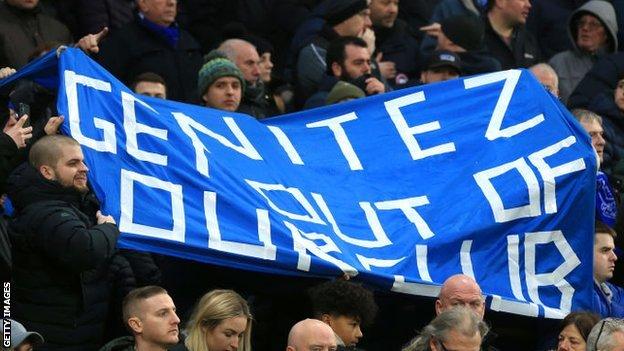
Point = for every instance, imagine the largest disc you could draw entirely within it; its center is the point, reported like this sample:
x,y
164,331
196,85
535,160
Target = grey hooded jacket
x,y
572,65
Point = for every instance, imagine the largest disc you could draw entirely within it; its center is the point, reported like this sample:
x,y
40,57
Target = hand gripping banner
x,y
488,176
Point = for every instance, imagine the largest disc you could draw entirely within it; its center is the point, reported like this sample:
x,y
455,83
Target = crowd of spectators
x,y
72,286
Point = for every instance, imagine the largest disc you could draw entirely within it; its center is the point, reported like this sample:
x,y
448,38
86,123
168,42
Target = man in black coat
x,y
396,42
62,248
155,43
506,37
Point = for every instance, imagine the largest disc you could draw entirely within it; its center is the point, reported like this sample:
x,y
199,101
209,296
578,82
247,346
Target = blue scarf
x,y
606,207
171,34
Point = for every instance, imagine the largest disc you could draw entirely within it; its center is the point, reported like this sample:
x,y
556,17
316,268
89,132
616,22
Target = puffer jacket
x,y
572,65
61,259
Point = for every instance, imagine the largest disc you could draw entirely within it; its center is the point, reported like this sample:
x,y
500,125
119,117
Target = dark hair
x,y
489,5
336,50
584,321
605,229
128,306
342,298
147,77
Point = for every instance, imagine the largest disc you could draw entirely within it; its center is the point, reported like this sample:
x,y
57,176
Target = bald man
x,y
245,57
460,290
311,334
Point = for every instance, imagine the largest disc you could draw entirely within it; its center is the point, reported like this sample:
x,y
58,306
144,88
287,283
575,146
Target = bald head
x,y
460,290
311,334
546,75
49,149
245,56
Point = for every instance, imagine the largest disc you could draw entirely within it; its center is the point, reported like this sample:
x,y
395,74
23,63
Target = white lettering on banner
x,y
407,133
286,144
400,285
133,128
550,173
421,263
267,251
511,78
522,308
502,214
368,262
189,126
513,261
381,239
109,143
534,281
407,207
555,278
335,126
303,242
311,215
126,204
465,259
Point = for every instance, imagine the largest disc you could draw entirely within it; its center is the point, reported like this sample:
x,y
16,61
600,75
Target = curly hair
x,y
343,298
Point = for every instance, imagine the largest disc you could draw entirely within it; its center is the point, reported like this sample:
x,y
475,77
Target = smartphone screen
x,y
24,109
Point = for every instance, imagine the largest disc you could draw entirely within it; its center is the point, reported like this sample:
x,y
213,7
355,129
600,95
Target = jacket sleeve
x,y
64,238
145,270
311,68
8,151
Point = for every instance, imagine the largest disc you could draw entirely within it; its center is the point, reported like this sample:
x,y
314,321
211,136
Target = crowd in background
x,y
75,290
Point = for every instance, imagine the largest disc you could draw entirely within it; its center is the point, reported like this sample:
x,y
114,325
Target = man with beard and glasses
x,y
62,248
348,60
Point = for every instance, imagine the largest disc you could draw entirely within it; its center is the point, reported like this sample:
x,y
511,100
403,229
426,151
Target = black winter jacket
x,y
134,49
602,78
523,53
61,258
399,45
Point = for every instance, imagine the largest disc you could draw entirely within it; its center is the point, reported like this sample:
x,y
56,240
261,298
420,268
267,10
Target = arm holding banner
x,y
62,236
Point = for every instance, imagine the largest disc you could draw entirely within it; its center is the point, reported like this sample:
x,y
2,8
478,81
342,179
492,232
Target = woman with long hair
x,y
221,321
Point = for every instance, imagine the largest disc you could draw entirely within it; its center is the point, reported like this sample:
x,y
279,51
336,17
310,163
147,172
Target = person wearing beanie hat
x,y
465,31
342,18
21,339
344,91
593,30
220,83
464,35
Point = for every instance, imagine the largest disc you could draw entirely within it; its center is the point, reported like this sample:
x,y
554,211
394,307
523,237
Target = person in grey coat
x,y
593,30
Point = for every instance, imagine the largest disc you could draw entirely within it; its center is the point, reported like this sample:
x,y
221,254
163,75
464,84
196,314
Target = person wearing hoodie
x,y
62,246
593,31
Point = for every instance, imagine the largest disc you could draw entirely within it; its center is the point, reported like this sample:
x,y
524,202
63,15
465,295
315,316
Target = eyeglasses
x,y
591,25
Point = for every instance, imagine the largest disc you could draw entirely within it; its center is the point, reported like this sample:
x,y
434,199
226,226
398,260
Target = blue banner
x,y
489,176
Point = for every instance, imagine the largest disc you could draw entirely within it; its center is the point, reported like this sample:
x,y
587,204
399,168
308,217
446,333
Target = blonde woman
x,y
220,322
